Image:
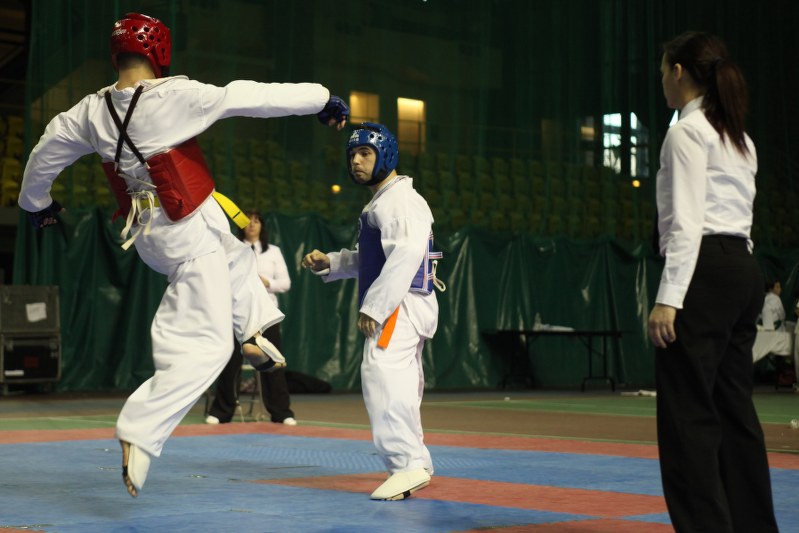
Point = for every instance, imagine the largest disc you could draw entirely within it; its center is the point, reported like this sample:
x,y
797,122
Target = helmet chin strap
x,y
374,181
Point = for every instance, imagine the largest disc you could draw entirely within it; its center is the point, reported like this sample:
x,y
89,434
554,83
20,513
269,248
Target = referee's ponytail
x,y
704,56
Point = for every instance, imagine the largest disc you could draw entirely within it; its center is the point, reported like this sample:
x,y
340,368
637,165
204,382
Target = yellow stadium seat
x,y
555,225
484,182
518,223
479,218
467,200
464,180
16,127
535,221
424,161
517,167
499,221
463,163
536,168
9,191
298,171
433,197
522,185
538,185
556,186
446,180
278,169
13,147
457,218
480,164
505,203
499,165
443,162
502,184
407,160
486,202
554,170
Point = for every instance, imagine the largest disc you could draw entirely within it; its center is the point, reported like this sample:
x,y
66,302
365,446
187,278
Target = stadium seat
x,y
499,166
480,165
521,185
463,163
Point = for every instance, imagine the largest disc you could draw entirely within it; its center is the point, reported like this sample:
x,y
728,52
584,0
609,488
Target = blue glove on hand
x,y
335,108
46,216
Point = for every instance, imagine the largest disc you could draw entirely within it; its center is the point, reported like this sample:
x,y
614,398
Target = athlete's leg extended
x,y
253,310
191,339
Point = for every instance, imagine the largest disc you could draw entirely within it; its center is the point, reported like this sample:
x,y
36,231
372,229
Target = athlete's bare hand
x,y
316,261
367,325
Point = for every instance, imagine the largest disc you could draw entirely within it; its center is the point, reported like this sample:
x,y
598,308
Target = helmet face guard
x,y
142,35
383,142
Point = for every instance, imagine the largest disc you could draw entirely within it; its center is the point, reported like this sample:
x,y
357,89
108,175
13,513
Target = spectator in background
x,y
773,315
274,388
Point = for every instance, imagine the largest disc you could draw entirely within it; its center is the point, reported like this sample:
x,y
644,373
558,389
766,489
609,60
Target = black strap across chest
x,y
123,126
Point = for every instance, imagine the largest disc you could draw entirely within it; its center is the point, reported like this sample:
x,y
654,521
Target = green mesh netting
x,y
539,116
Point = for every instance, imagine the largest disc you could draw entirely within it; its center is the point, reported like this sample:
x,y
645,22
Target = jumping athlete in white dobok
x,y
144,128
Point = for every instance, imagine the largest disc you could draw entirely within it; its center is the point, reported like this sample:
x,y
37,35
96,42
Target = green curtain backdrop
x,y
534,208
494,282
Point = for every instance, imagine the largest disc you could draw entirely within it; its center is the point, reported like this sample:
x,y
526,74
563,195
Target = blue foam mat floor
x,y
203,484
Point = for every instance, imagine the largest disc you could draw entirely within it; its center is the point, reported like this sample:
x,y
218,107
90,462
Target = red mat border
x,y
500,442
594,503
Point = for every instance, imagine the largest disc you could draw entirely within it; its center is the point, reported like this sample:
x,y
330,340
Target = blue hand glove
x,y
335,108
38,218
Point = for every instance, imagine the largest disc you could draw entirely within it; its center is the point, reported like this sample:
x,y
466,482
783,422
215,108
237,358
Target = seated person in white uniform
x,y
773,315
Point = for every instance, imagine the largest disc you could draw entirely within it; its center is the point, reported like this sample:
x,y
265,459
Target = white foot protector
x,y
136,470
402,484
269,360
138,466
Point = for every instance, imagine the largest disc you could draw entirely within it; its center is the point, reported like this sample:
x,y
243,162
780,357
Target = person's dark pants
x,y
712,454
274,388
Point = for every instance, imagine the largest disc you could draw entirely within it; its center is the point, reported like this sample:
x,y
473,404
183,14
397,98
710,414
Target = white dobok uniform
x,y
213,282
773,315
392,379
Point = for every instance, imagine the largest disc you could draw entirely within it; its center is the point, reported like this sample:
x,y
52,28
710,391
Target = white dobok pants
x,y
393,384
209,298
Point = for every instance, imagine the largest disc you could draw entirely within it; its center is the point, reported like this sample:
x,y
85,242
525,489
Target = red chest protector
x,y
181,176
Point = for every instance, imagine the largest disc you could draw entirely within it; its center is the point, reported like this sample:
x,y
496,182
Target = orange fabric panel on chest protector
x,y
182,179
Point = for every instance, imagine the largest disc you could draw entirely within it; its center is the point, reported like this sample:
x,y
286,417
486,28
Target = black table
x,y
586,336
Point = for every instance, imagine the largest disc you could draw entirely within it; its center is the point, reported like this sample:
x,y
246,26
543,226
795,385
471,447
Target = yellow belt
x,y
231,209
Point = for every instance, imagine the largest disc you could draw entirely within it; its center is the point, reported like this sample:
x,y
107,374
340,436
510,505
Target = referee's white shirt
x,y
272,266
705,186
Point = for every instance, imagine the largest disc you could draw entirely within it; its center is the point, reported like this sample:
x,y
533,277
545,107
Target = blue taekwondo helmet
x,y
378,137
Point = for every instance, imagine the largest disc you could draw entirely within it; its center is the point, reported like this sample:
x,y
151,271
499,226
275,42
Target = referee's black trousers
x,y
274,387
712,454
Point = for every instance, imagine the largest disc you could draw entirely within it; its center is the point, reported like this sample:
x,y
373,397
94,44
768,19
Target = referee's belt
x,y
228,206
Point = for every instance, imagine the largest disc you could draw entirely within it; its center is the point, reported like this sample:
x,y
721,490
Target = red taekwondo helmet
x,y
143,35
